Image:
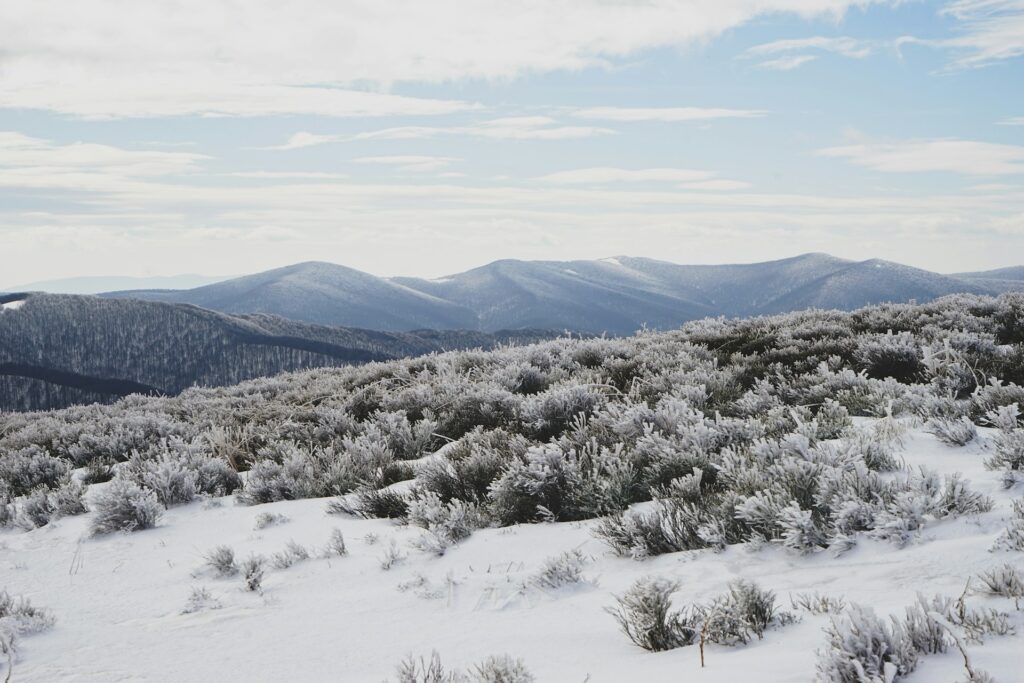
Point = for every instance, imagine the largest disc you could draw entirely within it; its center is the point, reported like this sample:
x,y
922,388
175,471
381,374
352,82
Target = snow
x,y
12,305
118,599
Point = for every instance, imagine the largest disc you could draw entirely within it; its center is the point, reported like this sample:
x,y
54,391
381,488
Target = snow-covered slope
x,y
119,599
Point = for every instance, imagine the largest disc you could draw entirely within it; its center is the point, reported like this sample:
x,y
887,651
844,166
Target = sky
x,y
407,137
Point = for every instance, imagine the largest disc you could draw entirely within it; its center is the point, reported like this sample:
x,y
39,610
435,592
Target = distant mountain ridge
x,y
614,295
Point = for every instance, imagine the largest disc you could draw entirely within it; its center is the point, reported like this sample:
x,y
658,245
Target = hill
x,y
58,350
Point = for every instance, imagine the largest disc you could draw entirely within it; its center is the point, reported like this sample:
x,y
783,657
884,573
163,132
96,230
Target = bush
x,y
494,669
1005,581
958,432
370,503
222,561
745,610
293,553
31,468
501,669
817,603
562,570
124,506
200,600
644,613
1012,538
861,648
171,481
336,544
22,616
252,572
266,519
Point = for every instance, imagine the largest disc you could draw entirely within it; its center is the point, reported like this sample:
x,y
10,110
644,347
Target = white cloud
x,y
109,58
36,163
787,63
989,31
507,128
1012,121
303,139
287,175
667,114
845,46
716,185
409,162
957,156
606,175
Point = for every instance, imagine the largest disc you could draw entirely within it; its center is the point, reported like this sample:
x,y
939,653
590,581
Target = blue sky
x,y
424,138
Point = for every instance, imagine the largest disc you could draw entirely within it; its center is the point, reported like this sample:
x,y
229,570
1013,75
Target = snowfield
x,y
120,599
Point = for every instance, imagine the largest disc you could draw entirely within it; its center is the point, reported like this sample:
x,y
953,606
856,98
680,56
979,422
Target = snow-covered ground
x,y
119,599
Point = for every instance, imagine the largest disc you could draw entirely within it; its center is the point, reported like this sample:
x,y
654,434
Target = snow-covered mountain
x,y
615,295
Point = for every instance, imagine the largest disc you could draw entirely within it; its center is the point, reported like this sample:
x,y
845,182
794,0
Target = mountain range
x,y
613,295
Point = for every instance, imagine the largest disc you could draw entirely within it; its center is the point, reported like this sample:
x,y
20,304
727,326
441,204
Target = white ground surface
x,y
119,599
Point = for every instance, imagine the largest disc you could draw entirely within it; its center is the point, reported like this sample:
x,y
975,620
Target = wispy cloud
x,y
303,139
786,63
1012,121
409,163
34,162
716,185
803,47
667,114
507,128
606,175
967,157
988,31
845,46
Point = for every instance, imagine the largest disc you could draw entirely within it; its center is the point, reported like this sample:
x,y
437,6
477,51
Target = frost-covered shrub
x,y
861,648
200,600
559,486
371,503
171,481
959,432
252,570
391,556
222,561
406,440
451,522
831,420
22,617
124,506
1012,538
293,553
470,466
562,570
818,603
1004,580
744,610
335,544
266,519
645,615
494,669
890,355
31,468
501,669
550,413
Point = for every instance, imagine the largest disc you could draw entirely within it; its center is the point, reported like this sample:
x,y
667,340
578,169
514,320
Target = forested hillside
x,y
58,350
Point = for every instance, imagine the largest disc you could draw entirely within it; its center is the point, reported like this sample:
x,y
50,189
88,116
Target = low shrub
x,y
124,506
